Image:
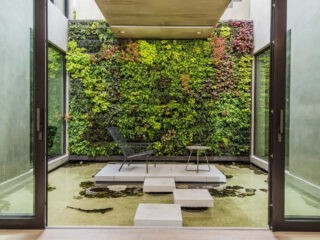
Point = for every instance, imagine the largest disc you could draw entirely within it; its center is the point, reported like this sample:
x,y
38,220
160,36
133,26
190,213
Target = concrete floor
x,y
154,234
249,211
232,212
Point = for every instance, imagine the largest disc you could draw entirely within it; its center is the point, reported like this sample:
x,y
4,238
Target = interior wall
x,y
58,37
57,27
16,27
304,133
240,10
260,13
84,10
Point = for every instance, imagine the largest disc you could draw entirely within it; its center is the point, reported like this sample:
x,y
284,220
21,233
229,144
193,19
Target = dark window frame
x,y
40,164
277,219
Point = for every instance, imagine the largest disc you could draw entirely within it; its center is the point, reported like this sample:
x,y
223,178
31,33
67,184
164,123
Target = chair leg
x,y
197,161
124,160
154,160
207,161
130,161
147,167
188,159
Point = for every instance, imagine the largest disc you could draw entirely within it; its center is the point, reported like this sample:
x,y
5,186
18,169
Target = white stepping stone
x,y
159,185
163,215
193,198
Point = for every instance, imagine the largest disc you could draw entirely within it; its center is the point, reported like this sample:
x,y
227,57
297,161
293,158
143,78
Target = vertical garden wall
x,y
169,92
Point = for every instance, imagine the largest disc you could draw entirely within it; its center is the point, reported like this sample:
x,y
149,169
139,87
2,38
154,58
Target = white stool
x,y
197,149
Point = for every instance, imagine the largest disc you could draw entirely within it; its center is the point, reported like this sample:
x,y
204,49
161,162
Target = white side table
x,y
197,149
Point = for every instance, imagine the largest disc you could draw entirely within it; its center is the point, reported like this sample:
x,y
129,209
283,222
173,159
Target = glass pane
x,y
302,178
262,82
16,98
55,103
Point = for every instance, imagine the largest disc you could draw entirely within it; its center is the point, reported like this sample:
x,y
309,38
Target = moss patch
x,y
102,191
94,210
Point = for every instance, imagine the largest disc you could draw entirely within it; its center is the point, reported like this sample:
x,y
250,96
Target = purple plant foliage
x,y
241,44
243,39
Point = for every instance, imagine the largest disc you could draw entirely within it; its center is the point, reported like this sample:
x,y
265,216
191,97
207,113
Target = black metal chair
x,y
131,150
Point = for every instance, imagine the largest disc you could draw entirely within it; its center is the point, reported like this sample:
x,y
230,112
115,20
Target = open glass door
x,y
22,119
295,116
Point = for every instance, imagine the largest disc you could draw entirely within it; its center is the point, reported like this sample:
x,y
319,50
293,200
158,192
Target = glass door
x,y
261,120
22,119
295,116
56,103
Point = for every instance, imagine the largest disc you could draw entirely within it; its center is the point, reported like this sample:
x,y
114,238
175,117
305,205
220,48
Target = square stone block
x,y
159,185
193,198
158,215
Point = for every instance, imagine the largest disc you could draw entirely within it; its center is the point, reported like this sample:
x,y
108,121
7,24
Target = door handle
x,y
39,123
281,125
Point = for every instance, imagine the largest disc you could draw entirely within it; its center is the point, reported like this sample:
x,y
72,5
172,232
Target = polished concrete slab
x,y
159,185
158,215
232,212
193,198
137,173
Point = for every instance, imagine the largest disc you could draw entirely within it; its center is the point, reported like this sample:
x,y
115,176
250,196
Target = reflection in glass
x,y
55,103
16,98
261,128
302,178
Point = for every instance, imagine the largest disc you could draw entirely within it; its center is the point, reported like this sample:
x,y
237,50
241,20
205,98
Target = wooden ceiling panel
x,y
163,13
155,32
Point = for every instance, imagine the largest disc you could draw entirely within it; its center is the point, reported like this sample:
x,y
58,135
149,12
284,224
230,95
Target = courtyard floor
x,y
240,202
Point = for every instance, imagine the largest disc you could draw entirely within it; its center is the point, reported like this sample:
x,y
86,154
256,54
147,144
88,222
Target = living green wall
x,y
170,92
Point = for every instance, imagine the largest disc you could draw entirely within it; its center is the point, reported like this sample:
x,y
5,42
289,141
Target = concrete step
x,y
193,198
137,173
159,185
158,215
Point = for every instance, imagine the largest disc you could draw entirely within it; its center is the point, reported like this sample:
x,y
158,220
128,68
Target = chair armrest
x,y
140,144
136,147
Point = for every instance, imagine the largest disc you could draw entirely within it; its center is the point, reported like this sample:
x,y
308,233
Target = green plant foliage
x,y
225,32
148,52
169,92
90,34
